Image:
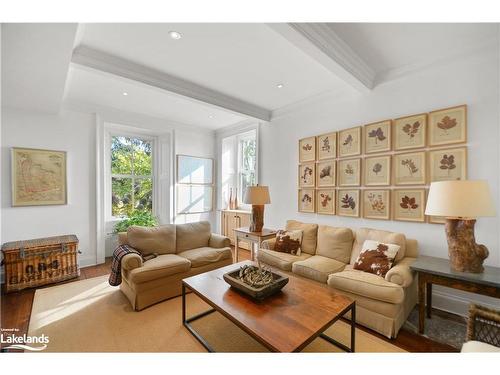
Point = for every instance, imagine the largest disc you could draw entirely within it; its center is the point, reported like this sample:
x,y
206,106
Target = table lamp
x,y
461,202
257,196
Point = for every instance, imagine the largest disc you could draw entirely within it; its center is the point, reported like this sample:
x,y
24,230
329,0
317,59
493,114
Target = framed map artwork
x,y
38,177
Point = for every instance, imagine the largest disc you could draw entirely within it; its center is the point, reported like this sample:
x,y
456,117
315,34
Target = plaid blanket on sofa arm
x,y
115,277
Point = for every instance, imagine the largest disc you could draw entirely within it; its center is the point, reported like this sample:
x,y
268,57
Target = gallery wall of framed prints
x,y
382,170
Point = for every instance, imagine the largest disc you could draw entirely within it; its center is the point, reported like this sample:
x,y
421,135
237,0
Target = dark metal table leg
x,y
353,332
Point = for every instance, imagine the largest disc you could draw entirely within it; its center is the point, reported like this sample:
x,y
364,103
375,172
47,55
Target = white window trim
x,y
239,161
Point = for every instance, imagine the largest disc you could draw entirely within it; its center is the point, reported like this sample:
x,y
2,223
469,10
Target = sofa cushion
x,y
146,240
161,266
288,241
384,236
282,261
376,257
367,285
335,243
317,267
309,235
192,235
206,255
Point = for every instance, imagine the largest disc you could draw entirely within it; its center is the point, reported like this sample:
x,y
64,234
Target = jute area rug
x,y
92,316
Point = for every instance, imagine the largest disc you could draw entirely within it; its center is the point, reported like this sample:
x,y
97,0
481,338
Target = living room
x,y
318,184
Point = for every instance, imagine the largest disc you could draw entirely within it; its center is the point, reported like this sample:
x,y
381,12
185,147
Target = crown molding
x,y
238,127
320,42
98,60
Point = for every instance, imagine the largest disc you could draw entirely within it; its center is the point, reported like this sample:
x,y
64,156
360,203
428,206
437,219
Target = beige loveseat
x,y
327,256
183,250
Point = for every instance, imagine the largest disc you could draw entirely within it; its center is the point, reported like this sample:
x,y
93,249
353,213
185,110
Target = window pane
x,y
248,154
142,157
121,155
121,196
143,194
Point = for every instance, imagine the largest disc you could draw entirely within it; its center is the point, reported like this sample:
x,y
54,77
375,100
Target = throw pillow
x,y
376,257
288,241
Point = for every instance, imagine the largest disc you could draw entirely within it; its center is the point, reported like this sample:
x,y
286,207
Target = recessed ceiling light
x,y
125,93
175,35
280,85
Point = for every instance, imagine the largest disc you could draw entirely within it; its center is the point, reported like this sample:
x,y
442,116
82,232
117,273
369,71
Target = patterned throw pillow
x,y
288,241
376,257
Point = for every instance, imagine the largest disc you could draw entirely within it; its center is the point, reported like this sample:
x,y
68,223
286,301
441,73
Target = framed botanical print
x,y
326,172
409,168
448,126
326,145
306,200
38,177
448,164
349,172
307,174
410,132
325,201
348,202
377,137
378,171
409,204
307,149
349,142
377,204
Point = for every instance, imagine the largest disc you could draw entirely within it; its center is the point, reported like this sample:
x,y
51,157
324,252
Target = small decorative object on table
x,y
461,202
40,261
257,196
256,282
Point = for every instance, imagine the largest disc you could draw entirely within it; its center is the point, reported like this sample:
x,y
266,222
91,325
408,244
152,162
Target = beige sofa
x,y
328,255
183,250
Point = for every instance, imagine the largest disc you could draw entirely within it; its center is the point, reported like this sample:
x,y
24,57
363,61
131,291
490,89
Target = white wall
x,y
74,130
472,81
69,131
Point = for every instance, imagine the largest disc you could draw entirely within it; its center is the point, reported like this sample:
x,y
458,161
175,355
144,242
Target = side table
x,y
255,238
437,271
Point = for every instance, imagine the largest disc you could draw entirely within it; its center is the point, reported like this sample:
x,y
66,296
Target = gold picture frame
x,y
307,174
448,126
38,177
349,172
326,172
377,170
409,205
448,164
410,132
349,142
326,146
410,168
307,149
348,202
306,200
377,137
377,204
325,201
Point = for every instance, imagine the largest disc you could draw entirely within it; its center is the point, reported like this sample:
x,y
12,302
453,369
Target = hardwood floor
x,y
16,311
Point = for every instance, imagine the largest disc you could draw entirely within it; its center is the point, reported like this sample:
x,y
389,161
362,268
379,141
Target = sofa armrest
x,y
122,238
131,261
401,273
268,244
218,242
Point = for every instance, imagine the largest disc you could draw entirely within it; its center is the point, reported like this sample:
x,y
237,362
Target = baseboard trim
x,y
454,304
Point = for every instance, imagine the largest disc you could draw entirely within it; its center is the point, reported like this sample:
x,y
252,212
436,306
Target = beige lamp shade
x,y
257,195
460,199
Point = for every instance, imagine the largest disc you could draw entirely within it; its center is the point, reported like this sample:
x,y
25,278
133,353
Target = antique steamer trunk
x,y
41,261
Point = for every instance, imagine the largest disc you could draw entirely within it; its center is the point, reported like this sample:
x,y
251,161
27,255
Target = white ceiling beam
x,y
98,60
319,41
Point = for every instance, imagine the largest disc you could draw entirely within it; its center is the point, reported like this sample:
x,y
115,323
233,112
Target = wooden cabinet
x,y
232,219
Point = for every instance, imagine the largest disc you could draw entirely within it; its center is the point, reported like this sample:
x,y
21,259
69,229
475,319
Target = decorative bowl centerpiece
x,y
257,282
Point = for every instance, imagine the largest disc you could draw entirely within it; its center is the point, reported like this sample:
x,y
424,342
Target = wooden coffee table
x,y
285,322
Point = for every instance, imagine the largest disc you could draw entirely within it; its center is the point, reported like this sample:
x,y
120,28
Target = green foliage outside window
x,y
140,218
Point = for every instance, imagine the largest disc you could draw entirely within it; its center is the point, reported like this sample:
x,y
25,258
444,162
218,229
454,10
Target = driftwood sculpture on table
x,y
465,254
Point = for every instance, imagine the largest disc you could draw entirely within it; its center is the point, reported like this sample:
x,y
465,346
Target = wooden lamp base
x,y
257,219
465,254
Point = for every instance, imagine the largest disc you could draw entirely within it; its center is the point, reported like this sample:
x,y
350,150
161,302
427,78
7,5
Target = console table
x,y
437,271
255,238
